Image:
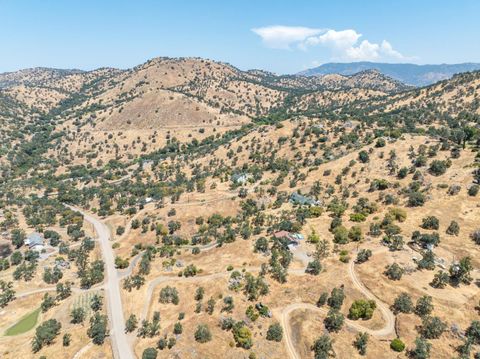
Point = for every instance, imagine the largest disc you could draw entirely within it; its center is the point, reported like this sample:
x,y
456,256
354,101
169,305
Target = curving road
x,y
120,344
123,273
386,332
387,314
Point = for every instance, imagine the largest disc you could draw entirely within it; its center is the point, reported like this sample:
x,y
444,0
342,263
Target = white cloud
x,y
337,39
343,44
388,50
365,51
281,37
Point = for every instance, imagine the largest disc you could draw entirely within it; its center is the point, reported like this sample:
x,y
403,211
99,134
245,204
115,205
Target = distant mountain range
x,y
411,74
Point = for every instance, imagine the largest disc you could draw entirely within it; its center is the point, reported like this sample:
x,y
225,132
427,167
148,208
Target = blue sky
x,y
280,36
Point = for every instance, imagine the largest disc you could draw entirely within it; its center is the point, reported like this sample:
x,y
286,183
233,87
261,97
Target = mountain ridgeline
x,y
175,93
411,74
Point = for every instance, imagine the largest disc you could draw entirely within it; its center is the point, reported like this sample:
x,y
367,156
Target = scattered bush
x,y
149,353
440,280
394,272
340,235
403,304
334,320
360,343
314,267
337,296
242,335
322,347
454,189
416,199
432,327
363,156
202,334
430,222
421,350
473,190
453,229
362,309
438,168
275,332
475,235
355,234
363,256
397,345
169,295
424,306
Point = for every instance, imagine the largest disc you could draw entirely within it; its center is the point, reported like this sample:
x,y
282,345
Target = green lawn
x,y
25,324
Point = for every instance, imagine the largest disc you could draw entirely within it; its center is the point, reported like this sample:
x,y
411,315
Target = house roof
x,y
300,198
281,234
34,238
238,176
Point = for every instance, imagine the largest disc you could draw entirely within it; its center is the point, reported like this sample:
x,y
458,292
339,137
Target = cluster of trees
x,y
241,333
7,294
97,329
64,290
169,295
45,334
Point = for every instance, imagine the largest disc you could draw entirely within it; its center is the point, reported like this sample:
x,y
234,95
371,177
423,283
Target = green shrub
x,y
416,199
275,332
453,229
363,156
340,235
438,168
242,335
394,272
397,345
430,222
355,234
473,190
398,214
202,334
149,353
358,217
380,143
362,309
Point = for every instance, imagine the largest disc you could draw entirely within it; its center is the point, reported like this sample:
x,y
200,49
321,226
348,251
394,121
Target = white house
x,y
35,241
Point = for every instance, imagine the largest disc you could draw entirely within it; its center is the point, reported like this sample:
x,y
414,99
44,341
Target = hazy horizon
x,y
246,69
276,36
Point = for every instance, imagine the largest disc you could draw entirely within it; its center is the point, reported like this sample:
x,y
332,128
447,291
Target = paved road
x,y
120,344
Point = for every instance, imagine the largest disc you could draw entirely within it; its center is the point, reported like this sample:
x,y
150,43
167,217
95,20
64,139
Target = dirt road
x,y
387,314
388,331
